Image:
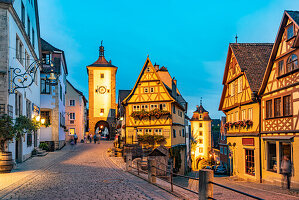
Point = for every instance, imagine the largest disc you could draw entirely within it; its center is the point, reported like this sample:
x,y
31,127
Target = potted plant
x,y
7,134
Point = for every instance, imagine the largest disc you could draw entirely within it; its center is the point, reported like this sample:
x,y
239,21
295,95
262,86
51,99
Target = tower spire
x,y
102,49
201,101
236,38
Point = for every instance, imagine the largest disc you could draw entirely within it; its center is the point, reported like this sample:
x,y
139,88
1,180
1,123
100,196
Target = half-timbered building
x,y
156,107
244,69
280,102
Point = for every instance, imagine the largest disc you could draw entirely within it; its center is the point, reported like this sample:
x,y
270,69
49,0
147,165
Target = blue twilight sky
x,y
190,38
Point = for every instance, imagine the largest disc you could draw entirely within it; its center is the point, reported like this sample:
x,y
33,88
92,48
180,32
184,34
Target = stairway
x,y
39,152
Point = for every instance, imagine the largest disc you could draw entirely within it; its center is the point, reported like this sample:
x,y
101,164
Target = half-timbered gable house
x,y
244,69
280,102
156,107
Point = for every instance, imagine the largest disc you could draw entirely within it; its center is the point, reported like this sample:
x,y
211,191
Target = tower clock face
x,y
101,90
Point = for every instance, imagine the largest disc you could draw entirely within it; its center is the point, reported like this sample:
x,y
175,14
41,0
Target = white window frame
x,y
145,89
158,131
72,100
152,89
240,84
250,113
154,106
144,107
243,114
72,116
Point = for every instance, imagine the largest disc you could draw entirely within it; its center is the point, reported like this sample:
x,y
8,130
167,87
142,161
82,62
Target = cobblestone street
x,y
82,173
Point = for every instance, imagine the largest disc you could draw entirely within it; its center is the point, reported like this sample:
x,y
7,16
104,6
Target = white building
x,y
53,97
20,46
76,110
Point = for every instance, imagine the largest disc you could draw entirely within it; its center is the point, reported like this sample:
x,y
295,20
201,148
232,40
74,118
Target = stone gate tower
x,y
102,102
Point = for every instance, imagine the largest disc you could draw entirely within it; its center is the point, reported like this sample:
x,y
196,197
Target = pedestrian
x,y
85,139
286,170
95,138
75,138
72,144
89,138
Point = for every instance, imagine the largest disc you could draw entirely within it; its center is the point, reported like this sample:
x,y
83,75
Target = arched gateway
x,y
102,100
102,128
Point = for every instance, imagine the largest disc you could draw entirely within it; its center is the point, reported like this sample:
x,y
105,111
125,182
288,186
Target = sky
x,y
190,38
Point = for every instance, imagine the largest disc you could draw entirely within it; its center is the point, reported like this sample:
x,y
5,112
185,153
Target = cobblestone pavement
x,y
82,173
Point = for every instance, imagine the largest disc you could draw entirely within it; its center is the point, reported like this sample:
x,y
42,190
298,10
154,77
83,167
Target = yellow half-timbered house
x,y
280,102
244,70
156,107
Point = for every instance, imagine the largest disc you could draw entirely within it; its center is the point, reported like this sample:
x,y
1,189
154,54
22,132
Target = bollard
x,y
205,189
128,162
154,171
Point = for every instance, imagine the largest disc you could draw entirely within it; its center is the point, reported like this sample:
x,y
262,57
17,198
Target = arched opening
x,y
102,129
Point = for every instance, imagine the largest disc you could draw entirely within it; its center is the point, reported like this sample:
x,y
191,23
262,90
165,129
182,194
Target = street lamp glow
x,y
43,121
122,118
37,118
101,114
101,126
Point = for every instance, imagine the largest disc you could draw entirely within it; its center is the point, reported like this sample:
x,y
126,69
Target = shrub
x,y
44,146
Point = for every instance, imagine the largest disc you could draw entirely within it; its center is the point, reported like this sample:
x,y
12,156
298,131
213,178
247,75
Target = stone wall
x,y
4,56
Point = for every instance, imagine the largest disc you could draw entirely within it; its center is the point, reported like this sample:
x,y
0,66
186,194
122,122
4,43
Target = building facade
x,y
20,46
245,66
102,96
223,147
279,103
53,97
76,112
156,107
201,133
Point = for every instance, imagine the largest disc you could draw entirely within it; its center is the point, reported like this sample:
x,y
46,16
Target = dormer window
x,y
290,32
200,116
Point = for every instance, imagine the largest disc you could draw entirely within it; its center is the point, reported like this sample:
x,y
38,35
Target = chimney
x,y
173,88
156,67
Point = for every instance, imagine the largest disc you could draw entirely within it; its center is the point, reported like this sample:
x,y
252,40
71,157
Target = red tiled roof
x,y
253,59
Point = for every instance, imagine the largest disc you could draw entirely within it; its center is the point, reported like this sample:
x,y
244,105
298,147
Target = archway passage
x,y
102,128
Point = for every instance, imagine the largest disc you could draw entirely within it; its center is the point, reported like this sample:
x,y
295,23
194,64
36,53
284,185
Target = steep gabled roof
x,y
122,94
293,16
78,91
252,59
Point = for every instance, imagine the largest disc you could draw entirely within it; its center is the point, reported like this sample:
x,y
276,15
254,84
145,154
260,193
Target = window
x,y
268,108
72,102
19,50
173,108
200,124
174,133
225,150
158,131
18,104
46,115
139,131
240,84
221,150
292,63
280,68
277,103
148,131
72,131
243,115
200,141
72,121
232,89
152,90
102,75
10,110
250,113
154,106
28,27
162,106
27,60
28,109
180,132
200,133
200,150
29,139
144,107
72,116
249,162
237,116
145,90
287,105
136,108
45,87
60,92
33,38
272,162
23,14
183,131
46,59
102,110
148,69
290,32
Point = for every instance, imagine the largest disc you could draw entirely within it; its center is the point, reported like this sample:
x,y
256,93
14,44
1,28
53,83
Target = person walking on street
x,y
75,138
72,144
95,138
286,169
89,138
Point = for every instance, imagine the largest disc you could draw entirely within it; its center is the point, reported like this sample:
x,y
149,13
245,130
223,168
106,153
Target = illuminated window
x,y
249,162
145,90
158,131
280,68
240,84
148,69
102,110
292,63
136,108
200,133
200,141
72,116
102,75
152,89
200,124
243,114
71,131
154,106
144,107
200,150
250,113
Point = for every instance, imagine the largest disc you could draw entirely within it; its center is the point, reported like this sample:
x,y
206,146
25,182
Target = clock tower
x,y
102,102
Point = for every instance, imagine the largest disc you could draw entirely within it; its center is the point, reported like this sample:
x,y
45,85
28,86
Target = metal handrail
x,y
237,191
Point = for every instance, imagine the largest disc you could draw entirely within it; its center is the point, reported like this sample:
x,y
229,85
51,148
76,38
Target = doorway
x,y
102,129
18,151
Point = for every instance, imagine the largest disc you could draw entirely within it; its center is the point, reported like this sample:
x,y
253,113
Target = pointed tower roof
x,y
200,114
101,62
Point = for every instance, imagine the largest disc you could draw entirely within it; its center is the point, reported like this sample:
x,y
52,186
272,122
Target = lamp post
x,y
23,79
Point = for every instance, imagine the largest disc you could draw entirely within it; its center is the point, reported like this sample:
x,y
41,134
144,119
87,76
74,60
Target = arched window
x,y
292,63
